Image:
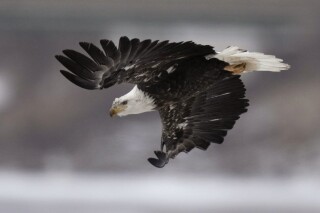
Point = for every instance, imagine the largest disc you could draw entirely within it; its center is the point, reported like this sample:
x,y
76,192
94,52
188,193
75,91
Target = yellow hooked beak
x,y
116,110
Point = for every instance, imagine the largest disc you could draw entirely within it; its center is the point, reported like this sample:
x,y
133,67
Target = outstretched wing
x,y
201,120
134,61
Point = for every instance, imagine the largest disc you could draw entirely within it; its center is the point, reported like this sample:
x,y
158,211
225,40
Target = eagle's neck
x,y
138,101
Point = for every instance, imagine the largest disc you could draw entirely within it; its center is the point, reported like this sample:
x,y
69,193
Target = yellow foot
x,y
236,68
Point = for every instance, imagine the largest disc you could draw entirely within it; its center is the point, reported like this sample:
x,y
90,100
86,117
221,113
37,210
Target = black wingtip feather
x,y
79,81
125,49
96,53
57,57
81,59
75,68
110,50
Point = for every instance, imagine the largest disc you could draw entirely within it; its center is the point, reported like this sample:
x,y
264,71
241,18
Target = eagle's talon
x,y
161,161
156,162
161,155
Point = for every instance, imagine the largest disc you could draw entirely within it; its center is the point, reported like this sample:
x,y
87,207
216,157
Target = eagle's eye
x,y
124,102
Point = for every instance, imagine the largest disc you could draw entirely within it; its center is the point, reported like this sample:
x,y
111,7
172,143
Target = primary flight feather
x,y
197,91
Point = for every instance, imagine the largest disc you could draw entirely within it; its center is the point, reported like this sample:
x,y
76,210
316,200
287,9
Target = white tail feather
x,y
254,61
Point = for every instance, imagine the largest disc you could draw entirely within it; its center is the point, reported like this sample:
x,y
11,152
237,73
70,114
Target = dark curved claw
x,y
161,161
160,154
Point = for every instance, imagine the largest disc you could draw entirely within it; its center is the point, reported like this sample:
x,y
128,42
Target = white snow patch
x,y
182,125
227,93
171,69
217,119
145,191
156,65
140,75
171,107
129,67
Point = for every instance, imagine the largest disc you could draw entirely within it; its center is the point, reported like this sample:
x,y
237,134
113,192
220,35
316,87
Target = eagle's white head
x,y
134,102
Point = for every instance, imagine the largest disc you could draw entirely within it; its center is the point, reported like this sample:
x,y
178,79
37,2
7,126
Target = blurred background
x,y
61,152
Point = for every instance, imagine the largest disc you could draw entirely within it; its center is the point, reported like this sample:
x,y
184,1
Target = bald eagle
x,y
197,91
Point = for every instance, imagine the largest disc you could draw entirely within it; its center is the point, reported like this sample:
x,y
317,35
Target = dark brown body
x,y
190,77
